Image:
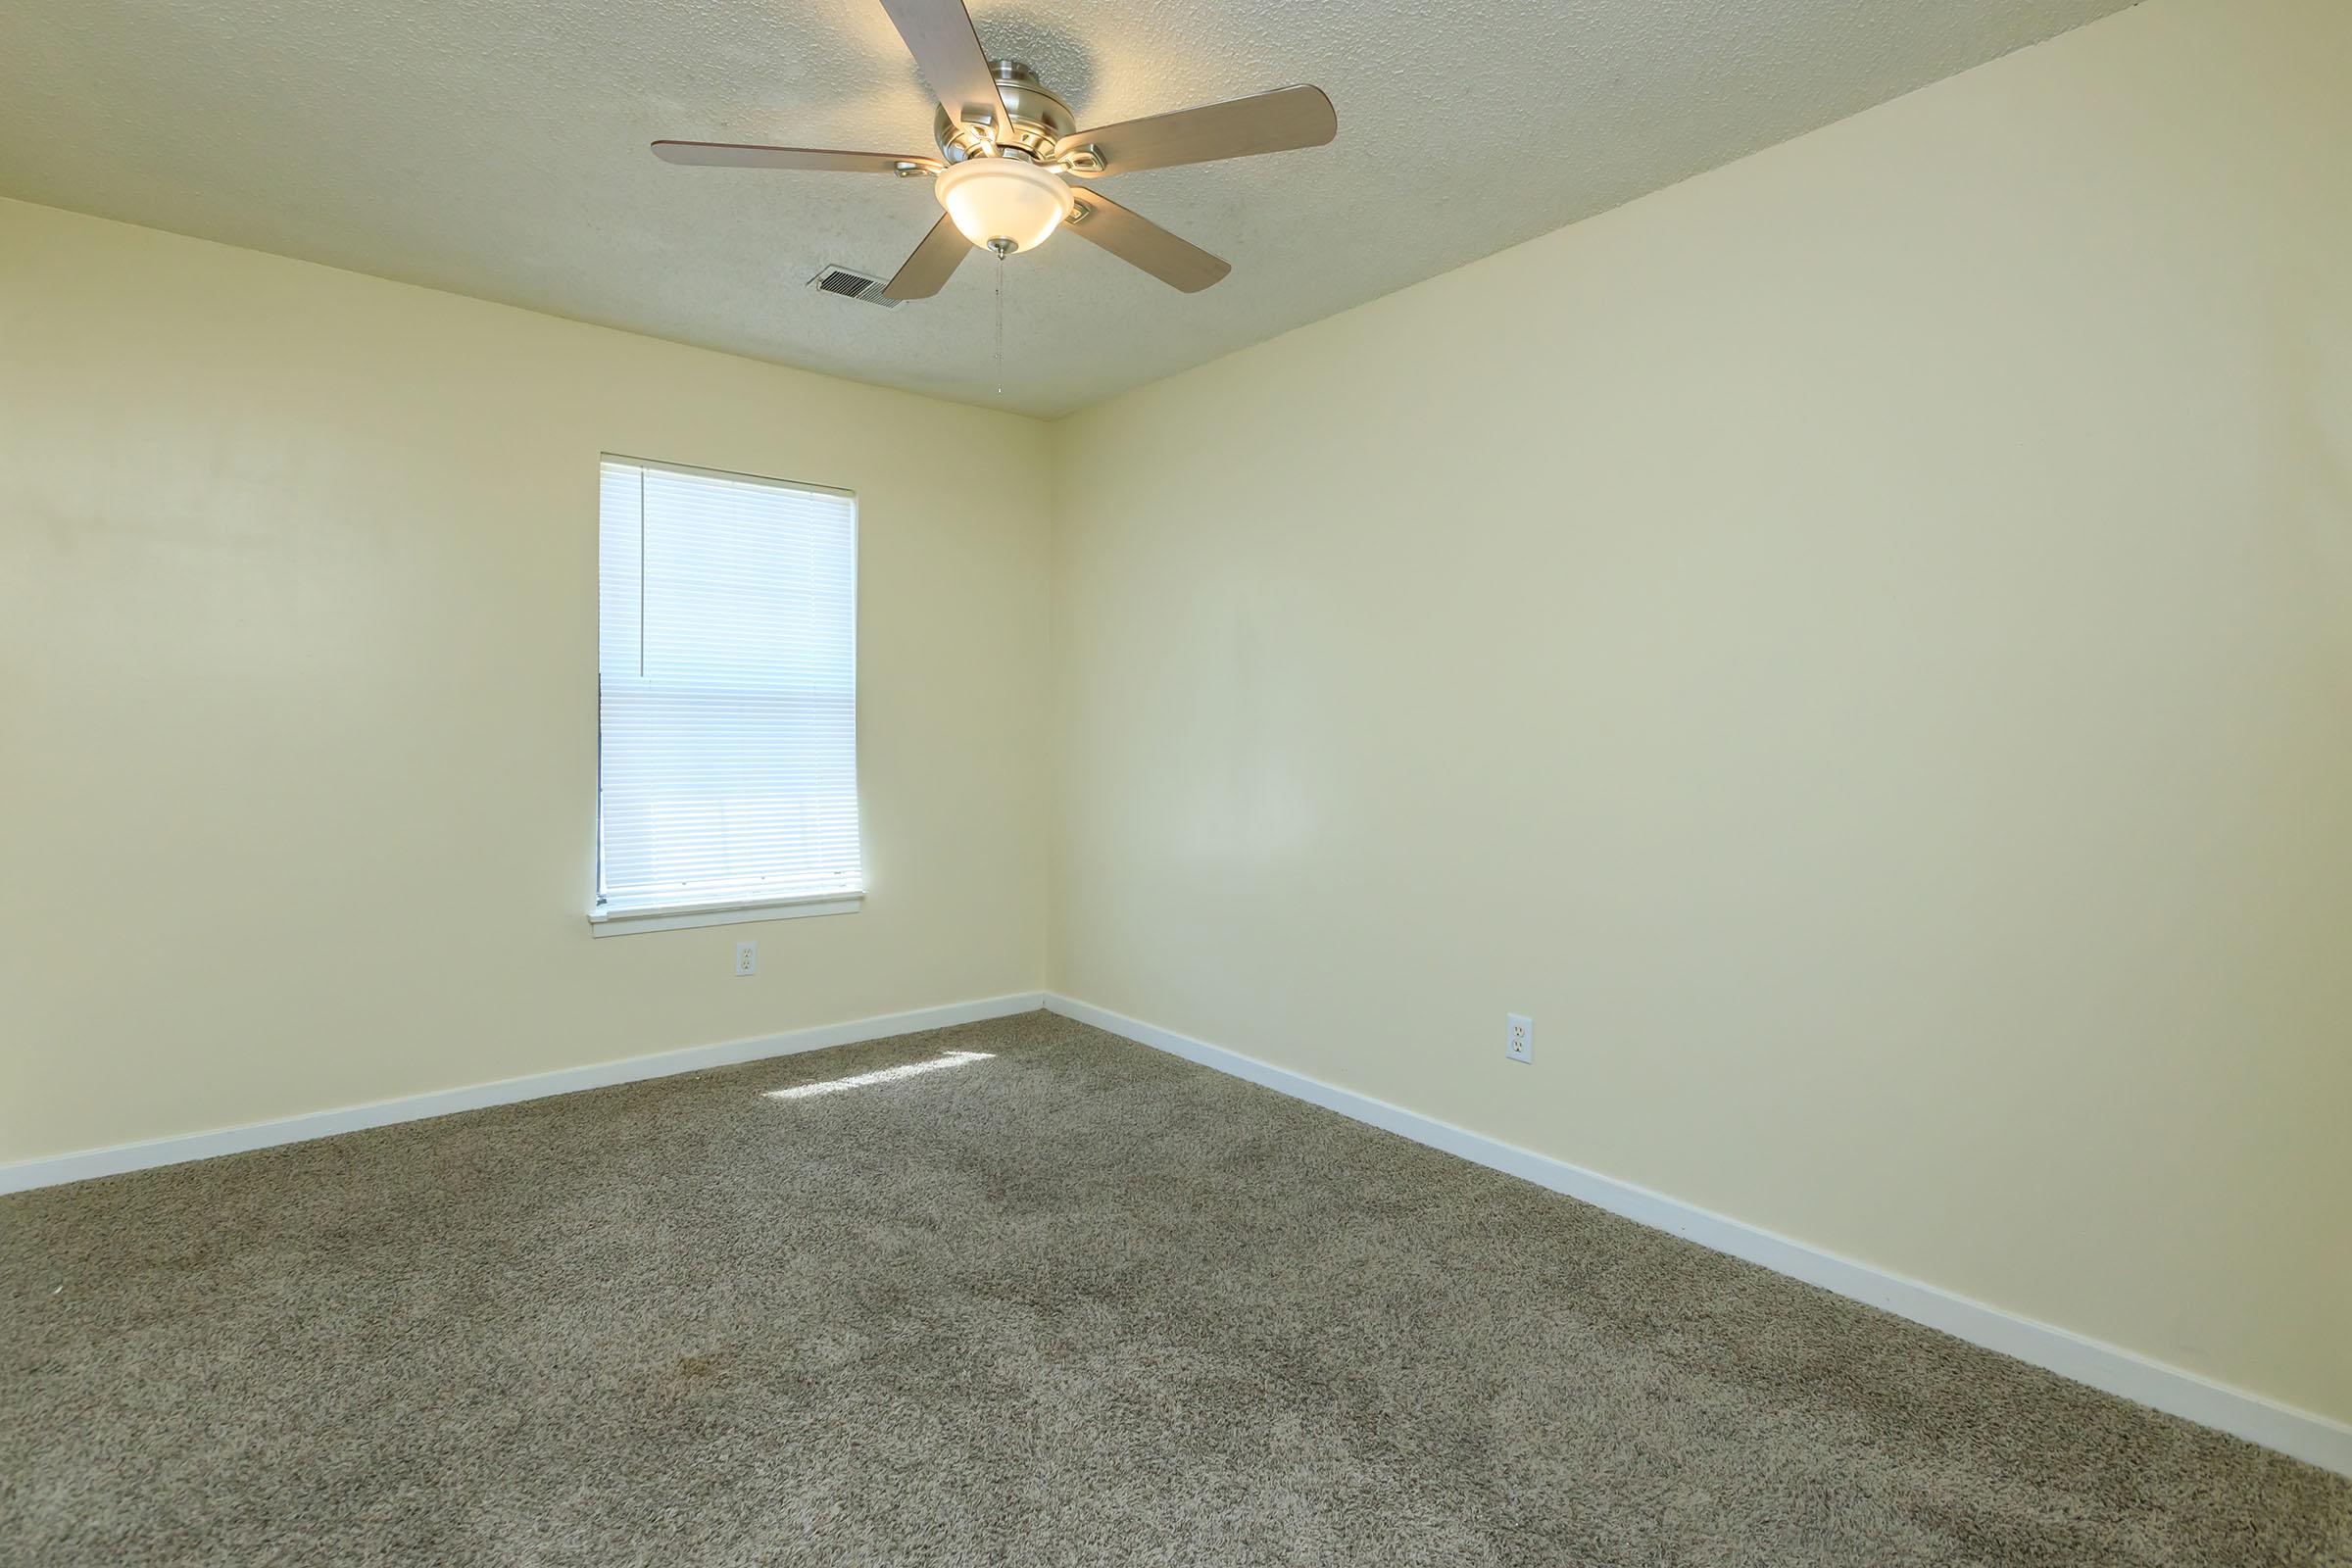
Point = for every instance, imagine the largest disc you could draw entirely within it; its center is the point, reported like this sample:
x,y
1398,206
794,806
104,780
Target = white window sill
x,y
679,916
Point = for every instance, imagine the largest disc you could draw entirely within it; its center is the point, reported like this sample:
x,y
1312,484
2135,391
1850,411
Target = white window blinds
x,y
727,691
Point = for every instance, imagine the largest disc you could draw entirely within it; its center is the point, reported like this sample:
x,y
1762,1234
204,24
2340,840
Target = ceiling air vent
x,y
853,286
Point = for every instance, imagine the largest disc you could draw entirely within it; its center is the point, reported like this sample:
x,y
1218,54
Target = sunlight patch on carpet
x,y
953,1058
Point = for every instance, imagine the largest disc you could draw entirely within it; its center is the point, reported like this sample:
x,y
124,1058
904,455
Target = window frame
x,y
689,913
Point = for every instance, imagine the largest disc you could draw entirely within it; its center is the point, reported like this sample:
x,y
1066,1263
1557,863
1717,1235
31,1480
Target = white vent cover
x,y
853,286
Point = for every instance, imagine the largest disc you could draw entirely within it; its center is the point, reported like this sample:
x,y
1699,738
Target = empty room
x,y
939,782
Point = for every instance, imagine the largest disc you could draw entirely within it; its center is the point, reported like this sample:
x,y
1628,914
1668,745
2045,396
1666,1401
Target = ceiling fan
x,y
1008,146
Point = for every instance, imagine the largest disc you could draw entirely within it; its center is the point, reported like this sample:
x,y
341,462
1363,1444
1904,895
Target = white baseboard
x,y
2314,1439
114,1161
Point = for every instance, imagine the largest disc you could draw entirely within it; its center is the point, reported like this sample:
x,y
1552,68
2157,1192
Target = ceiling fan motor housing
x,y
1036,120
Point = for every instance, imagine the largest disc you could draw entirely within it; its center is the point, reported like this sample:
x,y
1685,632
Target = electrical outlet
x,y
747,957
1519,1037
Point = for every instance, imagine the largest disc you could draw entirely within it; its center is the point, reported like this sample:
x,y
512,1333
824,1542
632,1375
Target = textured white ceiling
x,y
498,148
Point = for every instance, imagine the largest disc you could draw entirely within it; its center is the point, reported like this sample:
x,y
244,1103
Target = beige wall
x,y
1858,645
297,690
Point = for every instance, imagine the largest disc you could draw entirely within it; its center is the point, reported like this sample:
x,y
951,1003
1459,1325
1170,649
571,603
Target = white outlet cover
x,y
1518,1037
747,957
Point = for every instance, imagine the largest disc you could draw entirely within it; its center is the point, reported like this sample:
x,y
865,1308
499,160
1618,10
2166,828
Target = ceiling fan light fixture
x,y
1004,141
1007,199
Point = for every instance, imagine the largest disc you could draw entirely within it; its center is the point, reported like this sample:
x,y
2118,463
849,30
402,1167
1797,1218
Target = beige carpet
x,y
1071,1302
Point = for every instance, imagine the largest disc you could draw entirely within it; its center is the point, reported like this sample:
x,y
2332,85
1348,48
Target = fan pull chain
x,y
999,323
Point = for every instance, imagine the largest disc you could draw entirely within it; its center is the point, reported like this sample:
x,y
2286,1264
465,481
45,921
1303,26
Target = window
x,y
726,697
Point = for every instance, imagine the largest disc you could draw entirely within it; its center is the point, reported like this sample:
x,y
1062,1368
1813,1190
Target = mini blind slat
x,y
728,634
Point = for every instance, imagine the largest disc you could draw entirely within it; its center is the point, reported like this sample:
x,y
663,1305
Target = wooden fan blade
x,y
1271,123
1139,242
734,155
939,33
934,262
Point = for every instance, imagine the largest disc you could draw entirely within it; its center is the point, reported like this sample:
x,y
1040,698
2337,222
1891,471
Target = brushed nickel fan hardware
x,y
1035,117
1024,140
